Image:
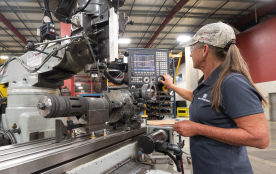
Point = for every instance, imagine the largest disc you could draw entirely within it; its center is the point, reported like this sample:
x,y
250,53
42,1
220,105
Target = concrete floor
x,y
263,161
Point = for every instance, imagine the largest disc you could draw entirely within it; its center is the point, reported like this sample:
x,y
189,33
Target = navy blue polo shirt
x,y
239,99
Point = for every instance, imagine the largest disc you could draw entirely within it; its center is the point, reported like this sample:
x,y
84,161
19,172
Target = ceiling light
x,y
78,84
82,90
124,41
80,87
184,38
4,57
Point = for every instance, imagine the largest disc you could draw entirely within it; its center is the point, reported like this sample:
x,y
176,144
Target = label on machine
x,y
34,60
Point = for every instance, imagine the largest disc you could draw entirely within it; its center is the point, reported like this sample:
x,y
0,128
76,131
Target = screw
x,y
41,106
14,126
93,135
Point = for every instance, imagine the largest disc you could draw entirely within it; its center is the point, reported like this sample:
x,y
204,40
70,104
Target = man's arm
x,y
184,93
252,131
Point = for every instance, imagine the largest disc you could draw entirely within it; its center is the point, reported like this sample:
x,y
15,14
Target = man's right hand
x,y
167,80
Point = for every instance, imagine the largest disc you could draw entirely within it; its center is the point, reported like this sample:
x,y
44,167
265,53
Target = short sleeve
x,y
239,97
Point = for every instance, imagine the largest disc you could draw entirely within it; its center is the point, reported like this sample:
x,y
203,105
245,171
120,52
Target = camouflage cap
x,y
216,34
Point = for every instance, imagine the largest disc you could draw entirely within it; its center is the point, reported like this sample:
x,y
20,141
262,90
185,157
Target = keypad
x,y
137,79
161,63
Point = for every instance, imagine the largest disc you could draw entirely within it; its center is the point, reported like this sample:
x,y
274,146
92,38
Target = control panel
x,y
146,65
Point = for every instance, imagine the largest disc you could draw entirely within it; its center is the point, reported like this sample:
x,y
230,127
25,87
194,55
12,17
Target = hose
x,y
9,134
47,11
177,162
79,10
45,60
48,57
182,169
114,81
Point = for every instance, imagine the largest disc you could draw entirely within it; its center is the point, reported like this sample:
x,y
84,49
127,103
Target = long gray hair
x,y
232,62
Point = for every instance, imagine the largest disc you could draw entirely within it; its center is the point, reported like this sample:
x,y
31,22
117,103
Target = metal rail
x,y
58,40
18,159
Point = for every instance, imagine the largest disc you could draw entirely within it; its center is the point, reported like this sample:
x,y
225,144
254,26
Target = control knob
x,y
146,80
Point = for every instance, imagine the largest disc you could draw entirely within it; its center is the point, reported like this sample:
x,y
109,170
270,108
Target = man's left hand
x,y
186,128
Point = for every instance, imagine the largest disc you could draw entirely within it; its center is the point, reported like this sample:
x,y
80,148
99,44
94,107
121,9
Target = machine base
x,y
47,156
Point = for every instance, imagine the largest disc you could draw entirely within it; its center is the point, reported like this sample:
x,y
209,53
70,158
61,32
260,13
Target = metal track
x,y
38,155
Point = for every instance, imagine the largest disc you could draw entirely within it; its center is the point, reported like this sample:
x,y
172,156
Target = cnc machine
x,y
50,133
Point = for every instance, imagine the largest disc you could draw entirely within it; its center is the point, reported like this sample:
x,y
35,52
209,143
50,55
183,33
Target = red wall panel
x,y
258,47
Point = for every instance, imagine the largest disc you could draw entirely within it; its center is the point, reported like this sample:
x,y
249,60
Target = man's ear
x,y
205,50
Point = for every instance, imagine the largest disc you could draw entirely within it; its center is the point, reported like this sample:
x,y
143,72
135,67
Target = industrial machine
x,y
160,141
100,134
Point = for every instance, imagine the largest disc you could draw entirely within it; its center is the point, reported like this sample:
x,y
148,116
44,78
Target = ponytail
x,y
232,62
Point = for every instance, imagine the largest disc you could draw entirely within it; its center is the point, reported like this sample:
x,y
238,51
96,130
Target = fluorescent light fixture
x,y
80,87
184,38
4,57
124,41
78,84
82,90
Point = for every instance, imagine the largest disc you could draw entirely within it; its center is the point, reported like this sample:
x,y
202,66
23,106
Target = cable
x,y
6,48
45,60
47,57
210,15
114,81
12,37
177,163
9,134
152,22
20,20
79,10
24,15
47,11
177,22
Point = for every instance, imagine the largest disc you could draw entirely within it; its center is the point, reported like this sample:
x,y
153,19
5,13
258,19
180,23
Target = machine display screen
x,y
144,62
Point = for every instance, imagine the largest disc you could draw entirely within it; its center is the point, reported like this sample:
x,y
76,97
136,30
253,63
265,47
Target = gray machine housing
x,y
167,129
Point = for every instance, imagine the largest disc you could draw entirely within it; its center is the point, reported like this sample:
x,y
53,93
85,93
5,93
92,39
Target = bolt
x,y
41,106
105,132
14,126
93,135
74,134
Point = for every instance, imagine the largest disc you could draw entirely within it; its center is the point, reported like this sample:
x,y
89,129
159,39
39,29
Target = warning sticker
x,y
5,71
34,60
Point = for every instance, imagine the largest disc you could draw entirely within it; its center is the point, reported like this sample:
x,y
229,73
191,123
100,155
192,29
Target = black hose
x,y
79,10
47,11
177,162
175,148
114,81
9,134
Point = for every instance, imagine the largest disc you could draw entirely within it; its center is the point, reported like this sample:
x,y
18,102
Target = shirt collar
x,y
210,81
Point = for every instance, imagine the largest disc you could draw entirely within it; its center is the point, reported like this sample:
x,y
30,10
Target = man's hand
x,y
186,128
168,80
